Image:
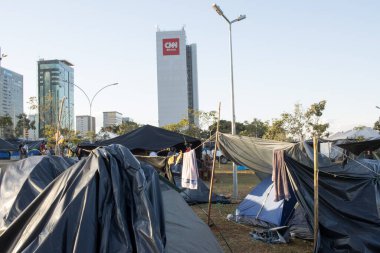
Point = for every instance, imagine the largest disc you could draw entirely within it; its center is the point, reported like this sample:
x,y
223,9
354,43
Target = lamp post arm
x,y
83,92
92,100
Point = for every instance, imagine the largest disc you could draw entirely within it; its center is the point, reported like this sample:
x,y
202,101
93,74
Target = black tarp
x,y
349,203
184,231
358,147
151,138
105,203
21,182
7,146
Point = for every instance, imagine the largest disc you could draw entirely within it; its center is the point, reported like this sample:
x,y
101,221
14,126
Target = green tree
x,y
295,123
376,126
313,116
276,131
23,124
6,124
225,127
256,128
127,127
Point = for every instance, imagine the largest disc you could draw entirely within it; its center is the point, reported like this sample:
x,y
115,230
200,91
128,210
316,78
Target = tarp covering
x,y
358,147
152,138
106,203
365,132
349,203
6,146
254,153
185,232
92,190
24,180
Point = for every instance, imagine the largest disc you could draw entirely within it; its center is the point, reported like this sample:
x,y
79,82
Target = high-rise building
x,y
112,118
84,124
177,78
11,94
55,84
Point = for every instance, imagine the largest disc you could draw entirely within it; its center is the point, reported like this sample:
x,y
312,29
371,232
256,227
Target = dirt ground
x,y
235,237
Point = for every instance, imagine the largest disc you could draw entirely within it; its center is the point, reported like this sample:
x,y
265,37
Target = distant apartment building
x,y
126,119
11,94
177,78
84,124
55,84
112,118
33,133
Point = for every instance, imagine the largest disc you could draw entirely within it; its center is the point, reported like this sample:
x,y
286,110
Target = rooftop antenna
x,y
2,56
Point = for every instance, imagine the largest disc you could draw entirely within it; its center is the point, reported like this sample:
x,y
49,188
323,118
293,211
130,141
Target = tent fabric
x,y
366,133
349,200
260,208
101,204
7,146
185,231
24,180
358,147
254,153
152,138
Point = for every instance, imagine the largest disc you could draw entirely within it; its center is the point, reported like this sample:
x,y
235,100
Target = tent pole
x,y
316,171
213,168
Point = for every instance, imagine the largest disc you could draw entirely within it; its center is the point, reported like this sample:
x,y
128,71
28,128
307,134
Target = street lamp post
x,y
92,100
233,127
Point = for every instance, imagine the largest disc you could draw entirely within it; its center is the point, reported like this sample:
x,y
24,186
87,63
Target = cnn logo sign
x,y
170,46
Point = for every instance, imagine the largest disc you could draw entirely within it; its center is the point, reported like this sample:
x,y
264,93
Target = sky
x,y
284,52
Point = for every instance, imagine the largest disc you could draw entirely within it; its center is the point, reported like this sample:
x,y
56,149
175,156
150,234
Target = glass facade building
x,y
11,94
55,85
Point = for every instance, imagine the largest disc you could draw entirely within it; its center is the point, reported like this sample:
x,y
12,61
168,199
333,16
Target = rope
x,y
356,161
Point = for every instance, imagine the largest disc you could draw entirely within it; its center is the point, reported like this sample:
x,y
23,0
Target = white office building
x,y
177,78
84,124
112,118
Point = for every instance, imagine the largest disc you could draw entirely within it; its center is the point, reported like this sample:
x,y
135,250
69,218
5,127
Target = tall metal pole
x,y
233,127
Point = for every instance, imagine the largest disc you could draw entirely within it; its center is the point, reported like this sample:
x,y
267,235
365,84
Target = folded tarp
x,y
24,180
105,203
349,201
254,153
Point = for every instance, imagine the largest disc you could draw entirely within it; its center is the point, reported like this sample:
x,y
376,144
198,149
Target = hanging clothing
x,y
279,176
189,170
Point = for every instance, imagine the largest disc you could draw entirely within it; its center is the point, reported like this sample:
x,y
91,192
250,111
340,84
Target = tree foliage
x,y
6,124
256,128
376,126
23,124
276,131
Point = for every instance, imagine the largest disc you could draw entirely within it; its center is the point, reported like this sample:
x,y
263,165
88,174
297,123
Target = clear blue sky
x,y
285,52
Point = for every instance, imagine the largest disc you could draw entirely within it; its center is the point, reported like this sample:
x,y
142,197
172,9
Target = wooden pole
x,y
213,167
316,170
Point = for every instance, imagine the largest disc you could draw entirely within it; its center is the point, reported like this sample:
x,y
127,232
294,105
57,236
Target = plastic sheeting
x,y
7,146
23,180
152,138
105,203
254,153
349,201
184,230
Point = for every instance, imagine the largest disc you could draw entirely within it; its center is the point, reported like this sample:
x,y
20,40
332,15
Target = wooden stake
x,y
213,167
316,171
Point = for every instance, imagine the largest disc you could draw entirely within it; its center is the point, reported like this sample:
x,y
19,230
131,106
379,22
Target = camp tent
x,y
7,146
151,138
107,202
349,196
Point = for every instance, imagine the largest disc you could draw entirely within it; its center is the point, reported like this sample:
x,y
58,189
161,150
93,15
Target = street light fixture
x,y
92,100
233,127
